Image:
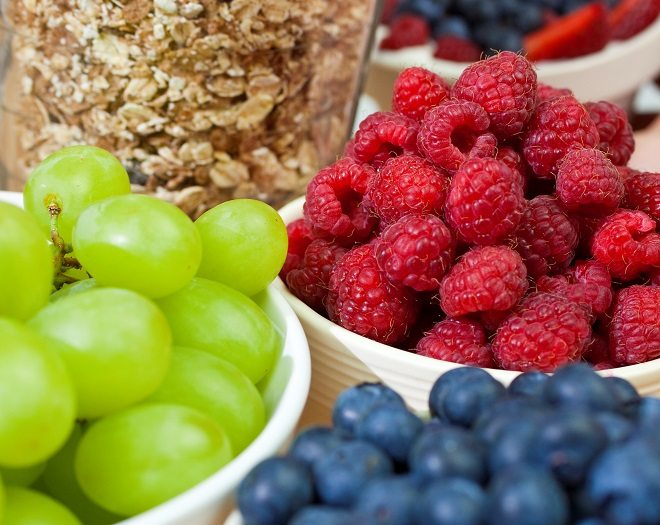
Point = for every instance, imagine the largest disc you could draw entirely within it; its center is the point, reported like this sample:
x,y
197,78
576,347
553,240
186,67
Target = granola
x,y
202,100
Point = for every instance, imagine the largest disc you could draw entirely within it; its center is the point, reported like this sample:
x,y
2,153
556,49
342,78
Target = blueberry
x,y
452,501
344,471
392,428
452,25
274,491
489,424
388,501
447,452
314,443
320,515
578,385
494,37
527,19
566,444
617,428
431,10
528,384
513,442
477,10
648,419
626,395
523,495
624,484
590,521
569,6
355,402
462,396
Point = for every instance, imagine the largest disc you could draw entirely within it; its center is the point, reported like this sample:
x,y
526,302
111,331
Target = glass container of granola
x,y
202,100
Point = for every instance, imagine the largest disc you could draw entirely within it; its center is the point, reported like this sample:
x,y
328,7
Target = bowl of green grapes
x,y
147,364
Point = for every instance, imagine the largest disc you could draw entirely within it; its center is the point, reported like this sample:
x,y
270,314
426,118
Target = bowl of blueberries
x,y
600,50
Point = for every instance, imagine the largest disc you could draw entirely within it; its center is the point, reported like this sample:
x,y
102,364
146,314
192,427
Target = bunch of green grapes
x,y
123,321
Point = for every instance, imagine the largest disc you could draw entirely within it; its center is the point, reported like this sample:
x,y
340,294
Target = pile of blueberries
x,y
492,24
571,448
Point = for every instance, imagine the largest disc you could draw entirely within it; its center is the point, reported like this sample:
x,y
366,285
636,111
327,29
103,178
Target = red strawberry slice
x,y
631,16
581,32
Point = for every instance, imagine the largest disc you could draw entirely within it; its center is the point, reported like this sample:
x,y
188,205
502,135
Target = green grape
x,y
73,289
216,387
22,477
244,244
215,318
29,507
138,242
26,264
37,398
60,481
115,343
133,460
73,178
2,500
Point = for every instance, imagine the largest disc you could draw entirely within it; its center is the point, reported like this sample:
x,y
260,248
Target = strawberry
x,y
631,16
583,31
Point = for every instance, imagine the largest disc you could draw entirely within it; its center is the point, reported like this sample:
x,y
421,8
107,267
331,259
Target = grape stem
x,y
62,259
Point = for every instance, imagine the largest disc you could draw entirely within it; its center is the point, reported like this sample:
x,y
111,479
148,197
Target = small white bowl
x,y
613,74
284,392
341,358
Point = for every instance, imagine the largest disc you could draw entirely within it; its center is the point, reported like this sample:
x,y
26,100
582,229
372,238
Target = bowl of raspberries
x,y
493,223
601,50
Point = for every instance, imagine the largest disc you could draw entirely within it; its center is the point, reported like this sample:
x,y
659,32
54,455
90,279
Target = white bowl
x,y
341,358
284,392
613,74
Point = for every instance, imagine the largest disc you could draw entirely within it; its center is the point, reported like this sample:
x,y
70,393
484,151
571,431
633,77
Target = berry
x,y
485,278
643,193
505,86
320,515
405,31
416,251
390,500
520,492
545,238
627,244
545,332
382,135
456,48
452,501
490,425
314,443
497,36
485,201
585,30
632,16
509,156
431,10
528,384
492,319
598,351
634,329
617,428
614,130
577,386
513,442
309,282
404,185
333,205
546,92
459,341
274,490
452,25
454,131
416,90
299,235
626,395
557,126
587,182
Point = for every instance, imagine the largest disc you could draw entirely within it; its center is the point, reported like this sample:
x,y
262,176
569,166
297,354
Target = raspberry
x,y
545,92
362,300
588,183
416,251
545,238
545,332
654,278
333,205
382,135
299,235
485,278
614,130
634,329
492,319
454,131
485,201
406,184
558,125
309,282
588,284
459,341
643,193
515,161
406,31
456,49
416,90
586,227
598,351
505,86
627,244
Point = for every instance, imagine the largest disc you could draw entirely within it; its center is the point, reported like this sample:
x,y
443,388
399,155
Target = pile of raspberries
x,y
491,223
